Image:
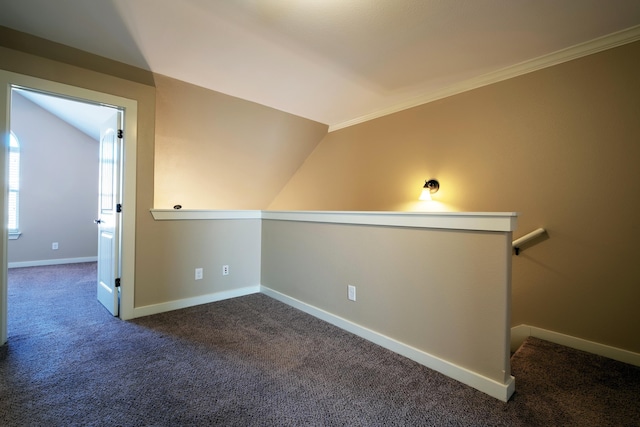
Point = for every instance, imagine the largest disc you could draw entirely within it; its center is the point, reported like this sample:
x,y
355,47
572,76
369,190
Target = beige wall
x,y
179,247
58,186
560,145
410,285
214,151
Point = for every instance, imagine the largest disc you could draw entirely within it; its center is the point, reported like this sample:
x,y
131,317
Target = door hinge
x,y
118,282
120,133
119,207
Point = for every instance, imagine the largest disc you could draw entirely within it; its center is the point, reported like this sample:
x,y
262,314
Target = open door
x,y
109,213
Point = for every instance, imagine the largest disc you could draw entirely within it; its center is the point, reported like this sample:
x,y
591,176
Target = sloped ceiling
x,y
83,116
333,61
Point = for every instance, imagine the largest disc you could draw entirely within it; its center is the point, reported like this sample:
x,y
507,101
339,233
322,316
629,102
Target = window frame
x,y
13,217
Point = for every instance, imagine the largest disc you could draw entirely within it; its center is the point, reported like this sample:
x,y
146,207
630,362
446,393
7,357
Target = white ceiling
x,y
334,61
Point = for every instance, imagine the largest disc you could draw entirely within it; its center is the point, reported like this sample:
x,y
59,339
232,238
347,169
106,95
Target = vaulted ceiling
x,y
337,62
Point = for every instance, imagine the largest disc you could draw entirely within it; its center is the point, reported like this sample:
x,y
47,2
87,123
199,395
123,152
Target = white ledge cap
x,y
481,221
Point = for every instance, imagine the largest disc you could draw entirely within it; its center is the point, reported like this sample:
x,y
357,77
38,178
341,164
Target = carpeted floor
x,y
253,361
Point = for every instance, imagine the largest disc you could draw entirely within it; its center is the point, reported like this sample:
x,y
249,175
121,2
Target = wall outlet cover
x,y
351,292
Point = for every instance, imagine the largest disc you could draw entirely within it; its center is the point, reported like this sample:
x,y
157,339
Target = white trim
x,y
480,221
610,41
14,235
521,332
184,214
465,376
148,310
58,261
5,112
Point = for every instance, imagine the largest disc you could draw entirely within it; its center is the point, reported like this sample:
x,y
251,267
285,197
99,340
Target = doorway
x,y
10,80
61,151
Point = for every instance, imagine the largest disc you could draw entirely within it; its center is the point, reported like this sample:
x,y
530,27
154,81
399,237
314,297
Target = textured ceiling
x,y
333,61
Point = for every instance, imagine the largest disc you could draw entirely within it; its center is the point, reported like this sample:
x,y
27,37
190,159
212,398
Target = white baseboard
x,y
148,310
465,376
58,261
521,332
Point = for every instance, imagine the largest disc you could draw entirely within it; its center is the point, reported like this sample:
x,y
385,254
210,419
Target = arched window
x,y
14,185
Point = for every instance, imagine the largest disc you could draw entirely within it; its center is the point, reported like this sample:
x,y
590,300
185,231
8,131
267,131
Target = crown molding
x,y
609,41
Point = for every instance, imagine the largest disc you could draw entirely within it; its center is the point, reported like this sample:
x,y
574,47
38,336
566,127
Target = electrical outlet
x,y
199,273
54,246
351,292
225,270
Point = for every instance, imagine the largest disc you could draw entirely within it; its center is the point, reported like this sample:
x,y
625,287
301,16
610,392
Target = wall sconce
x,y
430,187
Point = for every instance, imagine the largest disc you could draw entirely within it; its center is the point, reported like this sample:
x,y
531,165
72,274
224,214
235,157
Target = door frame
x,y
129,152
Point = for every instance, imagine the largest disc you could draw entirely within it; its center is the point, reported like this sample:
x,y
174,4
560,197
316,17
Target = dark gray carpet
x,y
253,361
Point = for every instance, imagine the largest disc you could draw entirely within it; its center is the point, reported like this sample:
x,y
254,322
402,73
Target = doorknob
x,y
97,221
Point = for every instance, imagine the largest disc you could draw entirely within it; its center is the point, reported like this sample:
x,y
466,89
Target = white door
x,y
109,217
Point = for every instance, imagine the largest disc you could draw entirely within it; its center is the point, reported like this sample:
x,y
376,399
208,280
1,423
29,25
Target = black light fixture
x,y
430,187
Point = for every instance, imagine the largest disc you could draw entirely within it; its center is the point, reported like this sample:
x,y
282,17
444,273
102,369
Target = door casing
x,y
130,108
